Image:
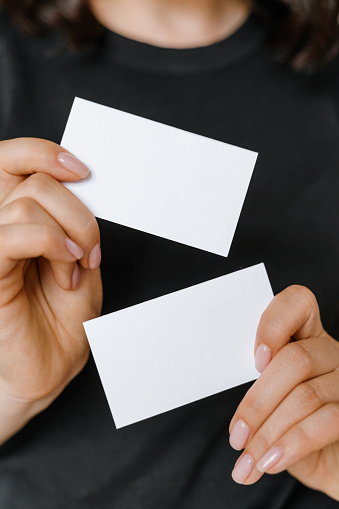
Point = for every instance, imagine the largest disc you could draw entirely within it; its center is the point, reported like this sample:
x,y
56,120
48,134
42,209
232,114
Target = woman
x,y
202,66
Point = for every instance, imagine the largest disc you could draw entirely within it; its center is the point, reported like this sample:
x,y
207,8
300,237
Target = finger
x,y
65,208
301,403
65,275
293,313
24,241
24,156
294,363
27,211
308,436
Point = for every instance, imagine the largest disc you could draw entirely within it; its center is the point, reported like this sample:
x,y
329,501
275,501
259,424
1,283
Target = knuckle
x,y
18,211
301,294
299,438
308,396
39,183
294,356
90,230
274,324
260,443
270,327
251,406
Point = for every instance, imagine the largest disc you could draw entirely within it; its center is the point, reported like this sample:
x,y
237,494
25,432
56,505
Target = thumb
x,y
24,156
292,314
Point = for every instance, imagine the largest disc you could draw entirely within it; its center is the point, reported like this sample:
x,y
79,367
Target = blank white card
x,y
158,179
181,347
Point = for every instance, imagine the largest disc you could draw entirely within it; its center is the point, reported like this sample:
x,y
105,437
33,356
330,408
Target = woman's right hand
x,y
49,278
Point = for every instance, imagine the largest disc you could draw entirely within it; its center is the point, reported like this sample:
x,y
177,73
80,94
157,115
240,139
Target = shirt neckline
x,y
143,57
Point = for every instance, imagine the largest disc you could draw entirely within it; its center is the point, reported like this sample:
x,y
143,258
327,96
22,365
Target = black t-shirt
x,y
70,456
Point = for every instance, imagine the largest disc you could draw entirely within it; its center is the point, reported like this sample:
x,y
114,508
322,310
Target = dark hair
x,y
303,32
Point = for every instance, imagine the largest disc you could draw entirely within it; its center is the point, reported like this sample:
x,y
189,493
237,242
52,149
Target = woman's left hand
x,y
289,418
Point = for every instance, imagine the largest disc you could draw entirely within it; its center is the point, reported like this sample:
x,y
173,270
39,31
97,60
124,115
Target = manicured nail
x,y
270,459
239,435
262,358
74,249
75,277
243,469
94,258
73,164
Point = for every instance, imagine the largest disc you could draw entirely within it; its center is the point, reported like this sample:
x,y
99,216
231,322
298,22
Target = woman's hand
x,y
289,418
49,278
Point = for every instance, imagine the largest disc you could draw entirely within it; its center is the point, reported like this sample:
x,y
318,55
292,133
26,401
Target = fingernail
x,y
75,277
239,435
270,459
243,469
74,249
94,258
73,164
262,358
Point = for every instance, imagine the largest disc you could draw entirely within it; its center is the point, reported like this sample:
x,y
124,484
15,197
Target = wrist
x,y
333,491
16,413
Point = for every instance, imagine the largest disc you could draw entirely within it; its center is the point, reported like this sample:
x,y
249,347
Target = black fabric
x,y
71,456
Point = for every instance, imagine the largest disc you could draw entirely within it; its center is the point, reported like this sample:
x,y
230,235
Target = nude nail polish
x,y
263,357
73,164
243,469
94,258
239,435
75,277
74,249
270,459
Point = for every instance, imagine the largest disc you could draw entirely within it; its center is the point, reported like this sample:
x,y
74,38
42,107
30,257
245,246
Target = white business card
x,y
158,179
179,348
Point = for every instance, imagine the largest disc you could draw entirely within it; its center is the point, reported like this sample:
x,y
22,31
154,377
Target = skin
x,y
294,404
42,341
173,23
46,291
